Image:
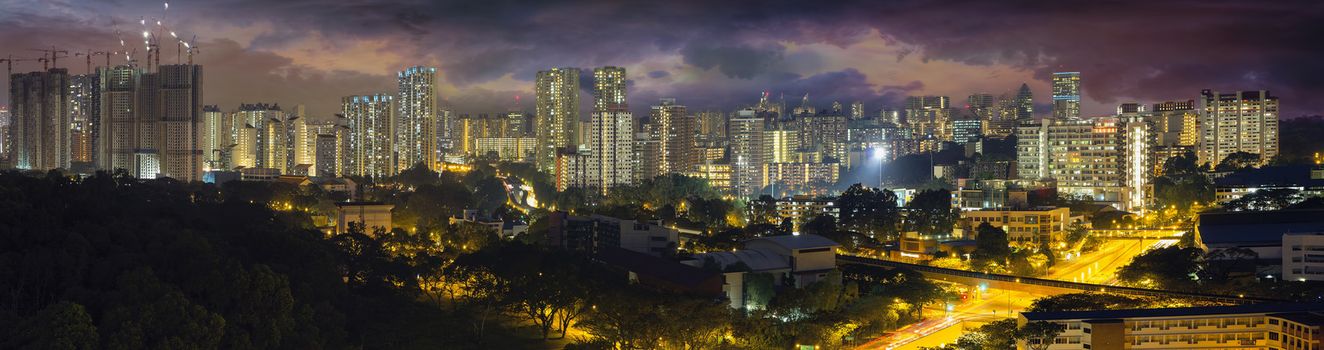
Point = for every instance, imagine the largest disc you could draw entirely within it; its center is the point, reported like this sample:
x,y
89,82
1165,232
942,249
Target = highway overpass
x,y
1038,285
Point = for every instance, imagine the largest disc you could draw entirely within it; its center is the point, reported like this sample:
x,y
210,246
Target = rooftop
x,y
653,266
1285,175
1250,227
1306,318
756,260
1173,312
804,241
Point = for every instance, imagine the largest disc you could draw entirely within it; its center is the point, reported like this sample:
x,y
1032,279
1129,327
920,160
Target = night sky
x,y
710,54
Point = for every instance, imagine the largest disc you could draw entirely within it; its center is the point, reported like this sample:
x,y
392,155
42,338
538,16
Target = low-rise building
x,y
1260,232
372,215
1254,326
795,260
1303,256
799,209
801,178
1028,227
597,232
1308,179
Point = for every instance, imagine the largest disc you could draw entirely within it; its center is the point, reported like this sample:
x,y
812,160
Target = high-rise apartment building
x,y
214,138
608,88
84,115
556,114
275,145
1176,123
266,147
370,150
674,130
1066,95
120,111
1241,121
39,131
1103,159
781,145
612,148
746,134
181,115
302,140
244,153
150,121
332,148
416,124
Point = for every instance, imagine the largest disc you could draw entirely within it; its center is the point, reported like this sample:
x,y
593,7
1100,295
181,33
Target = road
x,y
1101,266
943,327
1098,267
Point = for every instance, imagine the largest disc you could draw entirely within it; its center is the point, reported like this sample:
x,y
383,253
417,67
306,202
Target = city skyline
x,y
483,65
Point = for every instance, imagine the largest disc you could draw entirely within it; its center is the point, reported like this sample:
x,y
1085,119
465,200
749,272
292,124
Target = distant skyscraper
x,y
369,118
4,131
416,129
1024,103
608,88
84,112
674,131
557,113
929,116
1066,95
857,110
1242,121
40,132
712,125
981,107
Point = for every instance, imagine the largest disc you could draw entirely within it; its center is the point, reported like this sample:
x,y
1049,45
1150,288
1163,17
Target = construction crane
x,y
91,53
9,63
54,55
192,46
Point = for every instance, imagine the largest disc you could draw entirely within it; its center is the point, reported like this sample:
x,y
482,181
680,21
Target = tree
x,y
1088,301
1171,268
64,325
1265,200
1237,161
489,194
1039,335
417,175
764,211
931,213
150,314
822,225
870,211
991,243
1183,183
